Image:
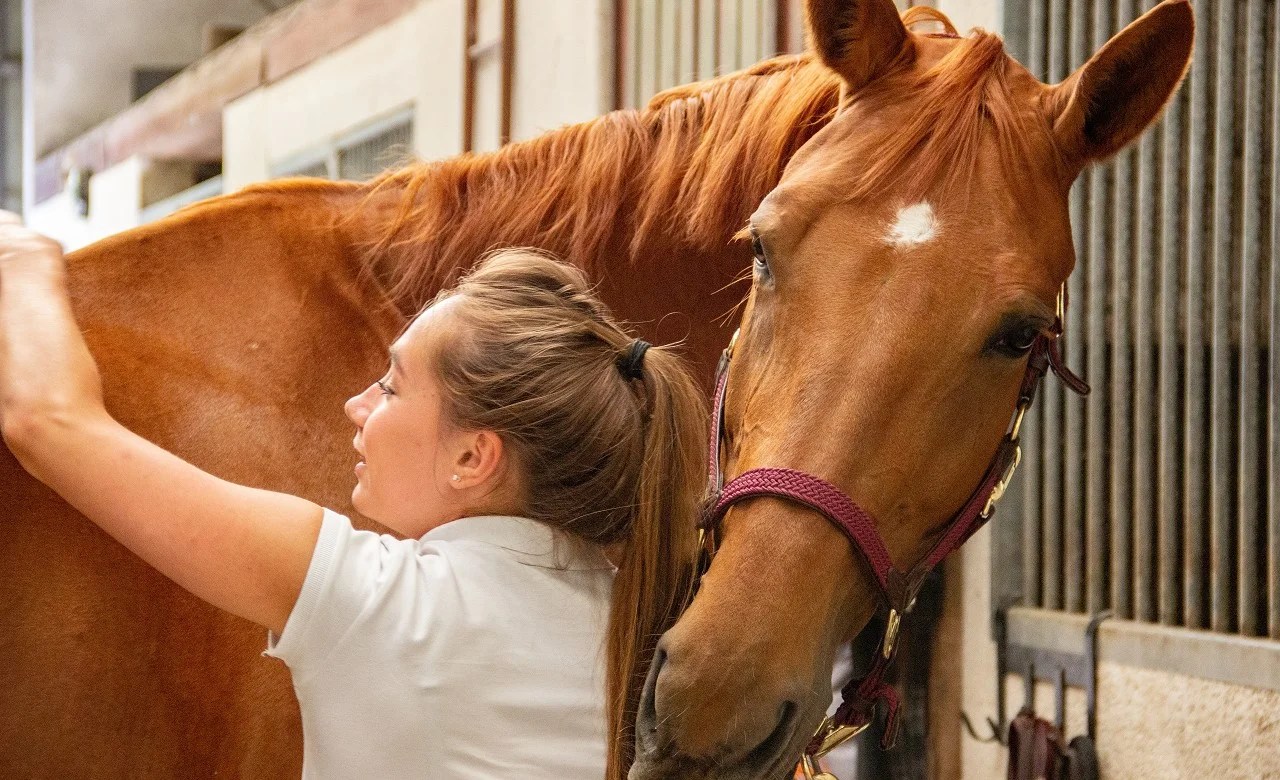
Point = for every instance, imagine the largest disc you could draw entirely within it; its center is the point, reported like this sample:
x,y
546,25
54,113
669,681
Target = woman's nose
x,y
356,408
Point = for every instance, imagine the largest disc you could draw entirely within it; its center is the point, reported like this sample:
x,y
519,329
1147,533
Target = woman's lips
x,y
360,467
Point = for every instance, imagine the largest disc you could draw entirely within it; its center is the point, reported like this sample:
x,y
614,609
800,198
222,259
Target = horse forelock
x,y
688,168
958,104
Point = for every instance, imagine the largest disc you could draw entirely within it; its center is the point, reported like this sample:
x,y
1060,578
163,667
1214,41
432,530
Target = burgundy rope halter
x,y
897,589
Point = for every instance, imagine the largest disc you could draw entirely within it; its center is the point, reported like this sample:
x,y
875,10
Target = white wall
x,y
562,50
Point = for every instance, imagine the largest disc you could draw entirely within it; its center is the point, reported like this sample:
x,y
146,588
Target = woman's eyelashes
x,y
385,386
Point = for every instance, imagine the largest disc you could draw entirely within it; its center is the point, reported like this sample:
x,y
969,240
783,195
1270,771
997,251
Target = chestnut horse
x,y
232,332
906,262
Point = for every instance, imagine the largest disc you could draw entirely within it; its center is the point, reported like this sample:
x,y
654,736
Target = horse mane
x,y
688,169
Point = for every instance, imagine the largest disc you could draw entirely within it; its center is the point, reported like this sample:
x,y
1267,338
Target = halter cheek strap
x,y
896,589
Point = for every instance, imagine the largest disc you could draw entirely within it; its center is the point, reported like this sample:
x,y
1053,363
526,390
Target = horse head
x,y
906,265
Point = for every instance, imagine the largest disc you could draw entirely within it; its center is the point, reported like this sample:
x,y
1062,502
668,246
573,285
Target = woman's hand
x,y
23,250
45,366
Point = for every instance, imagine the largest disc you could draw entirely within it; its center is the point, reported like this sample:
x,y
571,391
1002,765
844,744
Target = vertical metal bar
x,y
1100,445
1143,535
1169,497
747,20
1221,442
656,52
708,45
1273,351
1250,210
1036,36
1056,465
717,35
1118,443
764,30
1144,391
1059,18
1108,445
1034,553
1195,459
1031,491
1076,466
782,26
739,47
668,46
687,39
637,43
648,50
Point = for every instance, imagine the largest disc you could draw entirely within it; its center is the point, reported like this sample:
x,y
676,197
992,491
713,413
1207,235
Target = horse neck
x,y
674,182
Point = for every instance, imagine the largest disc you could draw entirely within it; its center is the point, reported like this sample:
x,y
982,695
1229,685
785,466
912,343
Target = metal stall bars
x,y
664,43
1160,497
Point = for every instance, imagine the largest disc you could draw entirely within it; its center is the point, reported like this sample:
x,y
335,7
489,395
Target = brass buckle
x,y
1018,415
832,737
891,632
998,491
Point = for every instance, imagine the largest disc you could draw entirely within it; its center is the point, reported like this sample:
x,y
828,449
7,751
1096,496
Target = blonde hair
x,y
606,458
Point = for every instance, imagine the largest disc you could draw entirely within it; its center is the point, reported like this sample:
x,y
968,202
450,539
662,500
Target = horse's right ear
x,y
1112,98
856,38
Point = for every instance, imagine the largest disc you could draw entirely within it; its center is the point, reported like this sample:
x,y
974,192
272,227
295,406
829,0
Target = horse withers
x,y
906,264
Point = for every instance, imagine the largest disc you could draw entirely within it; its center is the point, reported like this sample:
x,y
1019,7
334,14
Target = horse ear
x,y
1112,98
856,38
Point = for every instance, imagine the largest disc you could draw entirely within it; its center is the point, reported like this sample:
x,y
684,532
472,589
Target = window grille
x,y
359,155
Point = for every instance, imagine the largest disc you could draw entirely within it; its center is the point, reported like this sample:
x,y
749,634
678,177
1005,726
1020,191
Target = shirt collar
x,y
528,541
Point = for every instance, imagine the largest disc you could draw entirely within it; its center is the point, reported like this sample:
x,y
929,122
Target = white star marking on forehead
x,y
915,225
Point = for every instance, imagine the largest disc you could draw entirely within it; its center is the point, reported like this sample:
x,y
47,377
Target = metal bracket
x,y
1035,663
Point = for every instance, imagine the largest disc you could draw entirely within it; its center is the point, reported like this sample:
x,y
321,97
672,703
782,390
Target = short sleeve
x,y
352,574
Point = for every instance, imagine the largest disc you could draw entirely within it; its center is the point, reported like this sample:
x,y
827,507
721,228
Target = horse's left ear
x,y
1112,98
856,38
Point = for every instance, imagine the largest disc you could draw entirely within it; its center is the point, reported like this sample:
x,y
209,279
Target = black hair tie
x,y
631,364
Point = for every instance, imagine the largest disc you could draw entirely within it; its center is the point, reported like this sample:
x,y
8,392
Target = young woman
x,y
542,467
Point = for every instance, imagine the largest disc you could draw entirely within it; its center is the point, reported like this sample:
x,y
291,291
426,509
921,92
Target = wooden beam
x,y
508,70
470,36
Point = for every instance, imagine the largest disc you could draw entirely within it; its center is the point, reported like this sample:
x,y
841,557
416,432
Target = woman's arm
x,y
241,549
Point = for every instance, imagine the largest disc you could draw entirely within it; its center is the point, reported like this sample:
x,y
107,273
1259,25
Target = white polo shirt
x,y
476,651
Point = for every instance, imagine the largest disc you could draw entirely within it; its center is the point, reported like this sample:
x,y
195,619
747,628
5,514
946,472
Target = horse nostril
x,y
647,715
770,751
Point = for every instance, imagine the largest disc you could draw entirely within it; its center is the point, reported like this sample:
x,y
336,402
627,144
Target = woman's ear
x,y
478,456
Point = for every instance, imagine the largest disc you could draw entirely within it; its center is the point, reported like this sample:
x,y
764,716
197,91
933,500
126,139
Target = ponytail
x,y
656,576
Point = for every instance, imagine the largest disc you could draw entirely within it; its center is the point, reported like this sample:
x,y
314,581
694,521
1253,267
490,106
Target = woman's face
x,y
409,450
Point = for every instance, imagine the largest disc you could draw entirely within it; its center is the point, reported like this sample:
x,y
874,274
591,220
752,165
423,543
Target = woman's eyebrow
x,y
395,361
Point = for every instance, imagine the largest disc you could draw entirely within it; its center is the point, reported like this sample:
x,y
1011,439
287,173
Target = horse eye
x,y
1017,342
757,247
